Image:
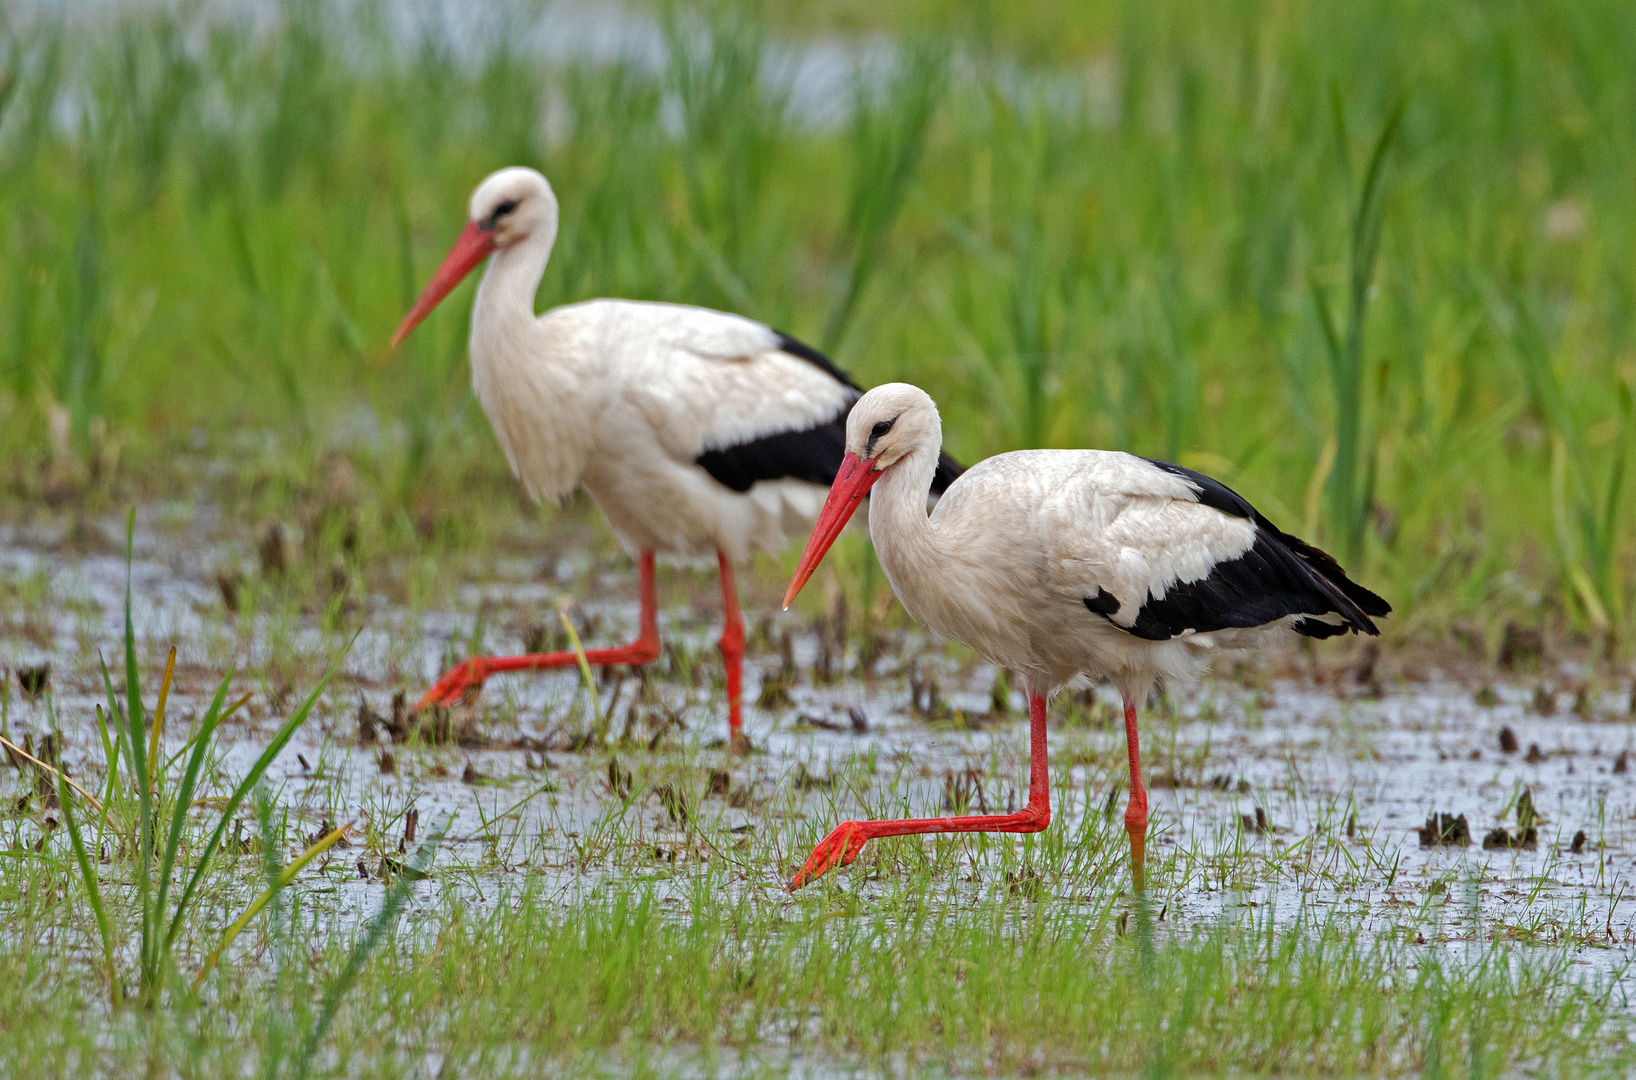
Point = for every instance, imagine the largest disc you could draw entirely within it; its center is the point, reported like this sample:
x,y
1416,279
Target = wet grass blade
x,y
317,848
280,739
159,717
93,891
365,946
137,735
110,755
184,801
584,669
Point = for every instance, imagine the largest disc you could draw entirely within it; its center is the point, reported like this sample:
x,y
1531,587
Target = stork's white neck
x,y
528,380
909,549
505,296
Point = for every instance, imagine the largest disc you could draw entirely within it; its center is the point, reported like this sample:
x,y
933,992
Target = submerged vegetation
x,y
1372,263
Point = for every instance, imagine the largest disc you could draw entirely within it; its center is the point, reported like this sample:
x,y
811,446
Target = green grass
x,y
646,979
1206,233
635,926
1129,262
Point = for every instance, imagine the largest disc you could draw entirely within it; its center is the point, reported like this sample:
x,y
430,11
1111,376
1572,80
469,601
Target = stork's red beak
x,y
473,247
852,483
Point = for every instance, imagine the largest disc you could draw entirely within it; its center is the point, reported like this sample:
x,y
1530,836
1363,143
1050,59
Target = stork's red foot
x,y
460,680
837,849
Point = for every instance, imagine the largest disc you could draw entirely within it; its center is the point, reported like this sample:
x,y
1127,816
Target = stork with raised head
x,y
1056,564
695,432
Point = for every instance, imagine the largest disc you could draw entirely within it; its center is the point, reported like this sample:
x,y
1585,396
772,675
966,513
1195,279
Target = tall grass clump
x,y
733,114
1351,495
153,823
1151,227
1587,509
889,128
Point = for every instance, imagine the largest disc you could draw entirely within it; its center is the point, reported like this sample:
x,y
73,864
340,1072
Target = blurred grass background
x,y
1372,264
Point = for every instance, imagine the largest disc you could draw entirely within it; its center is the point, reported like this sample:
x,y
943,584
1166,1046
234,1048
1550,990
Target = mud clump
x,y
1025,883
805,781
1445,830
273,553
857,723
1521,647
437,726
776,685
963,792
228,583
1508,741
33,681
674,800
926,695
1500,839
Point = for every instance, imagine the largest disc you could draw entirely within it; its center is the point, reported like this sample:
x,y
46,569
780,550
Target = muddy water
x,y
1280,799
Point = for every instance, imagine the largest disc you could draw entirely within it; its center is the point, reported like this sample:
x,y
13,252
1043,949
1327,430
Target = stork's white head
x,y
514,204
511,206
890,422
885,426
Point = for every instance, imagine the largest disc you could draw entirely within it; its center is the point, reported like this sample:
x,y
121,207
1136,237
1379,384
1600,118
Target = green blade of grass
x,y
184,800
584,668
93,892
144,788
317,848
280,739
365,946
110,756
159,717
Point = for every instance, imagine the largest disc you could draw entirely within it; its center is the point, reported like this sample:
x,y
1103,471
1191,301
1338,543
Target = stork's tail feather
x,y
1359,606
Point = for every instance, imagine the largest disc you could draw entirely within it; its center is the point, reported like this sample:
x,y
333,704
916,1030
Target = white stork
x,y
1060,563
694,431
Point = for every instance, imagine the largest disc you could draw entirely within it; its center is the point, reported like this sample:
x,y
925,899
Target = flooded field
x,y
1287,790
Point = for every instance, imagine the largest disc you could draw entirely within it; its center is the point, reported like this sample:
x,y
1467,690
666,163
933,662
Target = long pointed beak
x,y
852,483
473,247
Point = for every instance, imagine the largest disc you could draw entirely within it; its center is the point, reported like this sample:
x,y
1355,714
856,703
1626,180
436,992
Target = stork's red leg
x,y
732,656
469,676
843,845
1136,811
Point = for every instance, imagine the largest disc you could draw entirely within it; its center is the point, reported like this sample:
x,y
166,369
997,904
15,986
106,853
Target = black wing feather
x,y
811,454
1279,576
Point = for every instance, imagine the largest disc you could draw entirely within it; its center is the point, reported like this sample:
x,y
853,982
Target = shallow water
x,y
1343,774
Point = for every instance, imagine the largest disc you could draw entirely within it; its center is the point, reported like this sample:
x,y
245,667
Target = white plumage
x,y
1058,564
695,432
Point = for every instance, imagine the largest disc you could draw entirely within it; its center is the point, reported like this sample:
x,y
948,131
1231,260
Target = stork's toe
x,y
840,847
456,683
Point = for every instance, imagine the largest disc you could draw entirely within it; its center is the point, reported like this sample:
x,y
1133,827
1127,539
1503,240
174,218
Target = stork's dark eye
x,y
881,428
499,212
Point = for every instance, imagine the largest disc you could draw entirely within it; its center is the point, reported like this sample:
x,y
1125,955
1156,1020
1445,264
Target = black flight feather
x,y
1279,576
812,454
